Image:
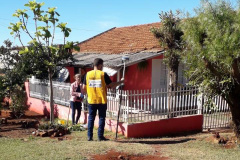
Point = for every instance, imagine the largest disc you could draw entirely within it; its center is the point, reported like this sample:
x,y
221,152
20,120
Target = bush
x,y
47,126
2,88
18,101
78,127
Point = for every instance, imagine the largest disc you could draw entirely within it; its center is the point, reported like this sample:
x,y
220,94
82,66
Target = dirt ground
x,y
14,129
113,155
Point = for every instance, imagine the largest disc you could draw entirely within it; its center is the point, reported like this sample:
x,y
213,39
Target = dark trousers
x,y
76,106
92,109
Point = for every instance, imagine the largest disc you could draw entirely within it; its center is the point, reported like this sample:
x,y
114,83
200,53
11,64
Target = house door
x,y
159,74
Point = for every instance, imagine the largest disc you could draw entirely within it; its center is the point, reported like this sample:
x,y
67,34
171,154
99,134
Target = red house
x,y
144,71
145,68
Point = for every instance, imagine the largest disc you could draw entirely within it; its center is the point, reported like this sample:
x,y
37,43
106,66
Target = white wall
x,y
160,74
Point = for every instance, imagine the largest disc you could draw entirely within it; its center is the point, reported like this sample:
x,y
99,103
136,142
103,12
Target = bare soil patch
x,y
226,141
113,155
18,128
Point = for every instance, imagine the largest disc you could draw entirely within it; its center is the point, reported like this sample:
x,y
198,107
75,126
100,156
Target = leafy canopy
x,y
169,34
41,47
213,47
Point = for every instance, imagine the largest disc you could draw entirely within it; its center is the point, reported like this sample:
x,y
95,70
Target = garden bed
x,y
18,128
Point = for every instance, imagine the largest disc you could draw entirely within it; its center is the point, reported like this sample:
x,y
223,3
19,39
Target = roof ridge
x,y
139,25
97,35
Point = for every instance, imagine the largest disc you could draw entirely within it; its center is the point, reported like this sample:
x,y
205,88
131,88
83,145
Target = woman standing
x,y
76,93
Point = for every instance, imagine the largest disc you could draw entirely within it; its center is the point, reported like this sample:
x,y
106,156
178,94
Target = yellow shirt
x,y
96,87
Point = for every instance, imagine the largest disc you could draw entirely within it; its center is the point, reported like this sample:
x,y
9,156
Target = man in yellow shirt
x,y
95,84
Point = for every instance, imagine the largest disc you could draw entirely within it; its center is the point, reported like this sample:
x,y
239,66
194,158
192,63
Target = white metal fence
x,y
40,89
218,115
145,105
148,105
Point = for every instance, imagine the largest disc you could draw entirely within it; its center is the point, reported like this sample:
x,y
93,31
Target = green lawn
x,y
198,148
76,148
194,147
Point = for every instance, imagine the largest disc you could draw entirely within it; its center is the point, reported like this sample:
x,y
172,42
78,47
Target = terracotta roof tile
x,y
122,40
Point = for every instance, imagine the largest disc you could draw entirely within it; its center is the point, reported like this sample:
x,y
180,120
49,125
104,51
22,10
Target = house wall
x,y
134,78
139,80
71,74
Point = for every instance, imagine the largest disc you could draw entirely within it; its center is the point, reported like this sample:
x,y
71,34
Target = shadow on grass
x,y
173,139
156,142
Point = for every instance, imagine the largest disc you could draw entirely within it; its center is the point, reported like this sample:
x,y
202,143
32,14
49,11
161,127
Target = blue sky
x,y
90,17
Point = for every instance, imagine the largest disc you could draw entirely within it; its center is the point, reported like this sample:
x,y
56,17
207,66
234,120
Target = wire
x,y
82,29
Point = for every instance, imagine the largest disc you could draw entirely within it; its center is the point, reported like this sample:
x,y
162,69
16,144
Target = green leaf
x,y
15,15
26,15
26,50
57,14
66,33
76,48
47,34
39,28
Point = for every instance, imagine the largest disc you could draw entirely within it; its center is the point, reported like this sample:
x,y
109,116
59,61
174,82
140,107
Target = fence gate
x,y
218,115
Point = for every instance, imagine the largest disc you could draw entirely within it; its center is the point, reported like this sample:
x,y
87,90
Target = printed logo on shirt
x,y
95,83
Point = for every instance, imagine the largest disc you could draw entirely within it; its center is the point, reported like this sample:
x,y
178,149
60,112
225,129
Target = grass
x,y
199,149
192,147
76,148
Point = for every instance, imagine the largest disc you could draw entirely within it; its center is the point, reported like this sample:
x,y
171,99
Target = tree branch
x,y
26,30
54,26
36,28
235,70
47,38
64,41
20,39
212,68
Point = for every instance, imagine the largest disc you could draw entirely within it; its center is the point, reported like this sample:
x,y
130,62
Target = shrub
x,y
18,105
78,127
47,126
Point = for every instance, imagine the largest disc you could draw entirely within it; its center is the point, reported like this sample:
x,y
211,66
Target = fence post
x,y
199,103
127,99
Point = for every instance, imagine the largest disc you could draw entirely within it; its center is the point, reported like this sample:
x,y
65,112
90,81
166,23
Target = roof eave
x,y
140,60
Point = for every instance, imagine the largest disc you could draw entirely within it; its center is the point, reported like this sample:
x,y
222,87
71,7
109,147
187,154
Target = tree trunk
x,y
51,96
234,104
173,80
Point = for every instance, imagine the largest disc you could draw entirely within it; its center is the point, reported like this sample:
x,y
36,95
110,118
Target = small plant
x,y
18,105
78,127
52,130
47,126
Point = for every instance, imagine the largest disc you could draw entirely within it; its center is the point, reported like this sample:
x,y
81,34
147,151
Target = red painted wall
x,y
43,107
139,80
71,73
166,127
134,79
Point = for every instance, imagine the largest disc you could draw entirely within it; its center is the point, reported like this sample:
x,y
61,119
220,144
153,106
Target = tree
x,y
41,47
169,35
17,68
213,53
12,82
